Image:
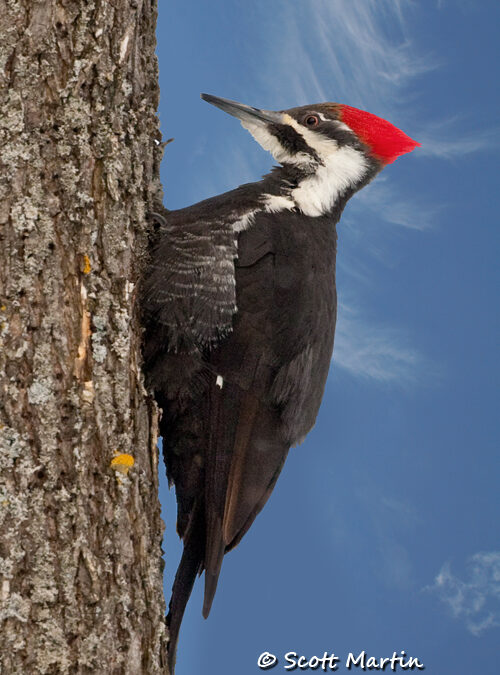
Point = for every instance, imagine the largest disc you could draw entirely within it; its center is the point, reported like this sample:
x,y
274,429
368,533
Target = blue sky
x,y
383,531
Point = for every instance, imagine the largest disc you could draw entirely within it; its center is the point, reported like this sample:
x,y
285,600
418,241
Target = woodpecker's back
x,y
240,309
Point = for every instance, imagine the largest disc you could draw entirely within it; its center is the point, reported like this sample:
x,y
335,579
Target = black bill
x,y
243,112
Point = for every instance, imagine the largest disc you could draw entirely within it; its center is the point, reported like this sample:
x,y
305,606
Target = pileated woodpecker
x,y
240,308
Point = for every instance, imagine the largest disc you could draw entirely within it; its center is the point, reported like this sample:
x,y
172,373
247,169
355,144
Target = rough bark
x,y
80,531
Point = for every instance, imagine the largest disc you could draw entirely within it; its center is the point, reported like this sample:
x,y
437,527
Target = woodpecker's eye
x,y
311,121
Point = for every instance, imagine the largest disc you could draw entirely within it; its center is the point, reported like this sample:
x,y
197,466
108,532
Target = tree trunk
x,y
80,556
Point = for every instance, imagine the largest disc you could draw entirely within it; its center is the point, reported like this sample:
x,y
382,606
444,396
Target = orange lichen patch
x,y
86,264
3,308
122,463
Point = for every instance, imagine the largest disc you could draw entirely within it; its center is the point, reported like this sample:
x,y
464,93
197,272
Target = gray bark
x,y
80,531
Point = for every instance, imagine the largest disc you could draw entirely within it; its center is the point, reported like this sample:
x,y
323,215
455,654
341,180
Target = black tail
x,y
190,565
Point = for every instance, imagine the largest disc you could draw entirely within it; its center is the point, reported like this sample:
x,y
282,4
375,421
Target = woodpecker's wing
x,y
190,289
271,371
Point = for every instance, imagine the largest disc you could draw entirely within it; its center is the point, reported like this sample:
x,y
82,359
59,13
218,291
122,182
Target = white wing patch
x,y
245,221
270,204
276,203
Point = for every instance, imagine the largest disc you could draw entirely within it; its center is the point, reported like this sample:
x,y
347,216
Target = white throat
x,y
316,195
342,169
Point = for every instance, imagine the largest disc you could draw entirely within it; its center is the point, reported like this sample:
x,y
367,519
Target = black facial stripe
x,y
343,137
292,141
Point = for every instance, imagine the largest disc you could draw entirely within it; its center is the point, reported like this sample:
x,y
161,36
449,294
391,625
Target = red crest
x,y
386,141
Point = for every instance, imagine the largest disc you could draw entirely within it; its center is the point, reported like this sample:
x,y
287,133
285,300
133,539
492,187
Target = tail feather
x,y
232,414
189,567
211,581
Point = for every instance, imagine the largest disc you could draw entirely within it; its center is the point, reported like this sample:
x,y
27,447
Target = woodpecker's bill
x,y
240,308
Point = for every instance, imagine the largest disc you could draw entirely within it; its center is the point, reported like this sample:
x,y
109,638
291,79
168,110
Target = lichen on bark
x,y
80,556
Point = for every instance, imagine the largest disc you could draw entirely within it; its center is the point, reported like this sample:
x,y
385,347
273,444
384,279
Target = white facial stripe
x,y
270,143
267,141
263,137
344,127
317,194
322,145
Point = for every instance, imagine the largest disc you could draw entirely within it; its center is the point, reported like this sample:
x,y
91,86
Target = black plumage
x,y
239,306
225,445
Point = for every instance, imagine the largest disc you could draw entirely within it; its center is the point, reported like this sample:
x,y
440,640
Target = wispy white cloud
x,y
383,524
391,517
475,601
357,51
383,199
448,138
449,148
374,352
464,5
